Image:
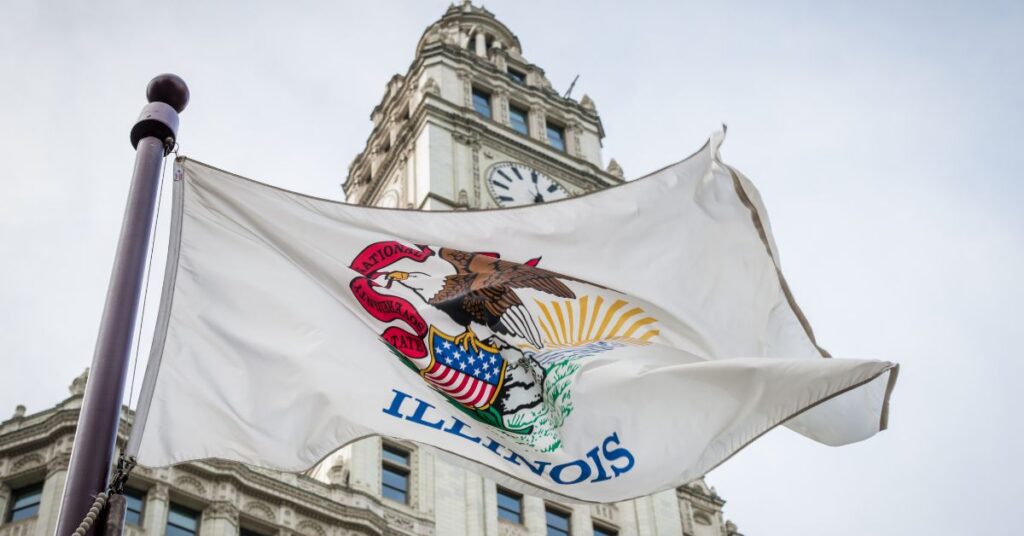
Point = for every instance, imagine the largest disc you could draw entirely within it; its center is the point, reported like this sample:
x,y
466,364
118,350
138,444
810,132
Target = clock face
x,y
514,184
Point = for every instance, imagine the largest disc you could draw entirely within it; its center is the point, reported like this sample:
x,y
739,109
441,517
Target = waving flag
x,y
599,348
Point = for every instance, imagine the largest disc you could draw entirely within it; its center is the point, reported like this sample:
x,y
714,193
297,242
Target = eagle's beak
x,y
397,276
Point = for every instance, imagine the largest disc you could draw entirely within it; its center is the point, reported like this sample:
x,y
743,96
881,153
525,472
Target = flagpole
x,y
92,453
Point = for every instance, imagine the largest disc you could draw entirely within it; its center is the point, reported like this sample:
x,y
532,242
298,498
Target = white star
x,y
492,359
486,366
476,372
438,349
447,344
472,359
462,365
488,375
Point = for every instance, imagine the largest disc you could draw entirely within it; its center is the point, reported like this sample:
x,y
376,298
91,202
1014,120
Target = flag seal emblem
x,y
517,375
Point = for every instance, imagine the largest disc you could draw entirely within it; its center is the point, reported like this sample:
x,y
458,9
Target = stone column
x,y
539,128
466,81
475,511
580,523
501,107
53,490
424,481
364,471
686,515
500,58
219,519
5,497
449,499
490,507
645,522
154,513
533,516
481,45
667,516
573,132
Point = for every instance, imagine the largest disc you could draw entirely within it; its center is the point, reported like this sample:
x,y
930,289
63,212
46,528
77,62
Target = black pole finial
x,y
169,89
167,95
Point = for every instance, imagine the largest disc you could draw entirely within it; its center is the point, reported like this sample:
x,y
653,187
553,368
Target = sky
x,y
884,137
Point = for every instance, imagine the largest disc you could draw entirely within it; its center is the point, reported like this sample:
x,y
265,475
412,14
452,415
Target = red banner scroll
x,y
385,307
381,254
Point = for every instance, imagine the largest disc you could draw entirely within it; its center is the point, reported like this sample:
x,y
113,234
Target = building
x,y
470,112
471,125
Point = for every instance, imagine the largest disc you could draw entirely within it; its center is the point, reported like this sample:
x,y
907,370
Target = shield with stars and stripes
x,y
469,372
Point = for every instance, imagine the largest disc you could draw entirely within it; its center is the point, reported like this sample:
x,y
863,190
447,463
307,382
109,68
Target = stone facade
x,y
429,149
339,497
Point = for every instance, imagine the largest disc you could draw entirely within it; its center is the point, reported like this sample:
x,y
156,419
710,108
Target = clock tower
x,y
474,125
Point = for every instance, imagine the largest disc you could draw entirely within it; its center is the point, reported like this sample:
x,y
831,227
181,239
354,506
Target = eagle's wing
x,y
513,317
455,286
515,275
496,283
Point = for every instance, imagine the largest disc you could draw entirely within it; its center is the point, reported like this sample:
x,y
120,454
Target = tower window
x,y
517,76
25,503
482,102
517,117
395,474
510,506
602,530
557,522
182,521
133,499
556,136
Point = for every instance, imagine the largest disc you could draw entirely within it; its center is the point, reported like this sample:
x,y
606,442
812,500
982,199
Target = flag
x,y
599,348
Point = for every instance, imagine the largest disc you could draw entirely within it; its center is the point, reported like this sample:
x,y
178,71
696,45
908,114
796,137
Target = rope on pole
x,y
90,518
125,464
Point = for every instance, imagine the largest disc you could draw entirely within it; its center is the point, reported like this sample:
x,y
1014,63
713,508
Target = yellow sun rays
x,y
567,323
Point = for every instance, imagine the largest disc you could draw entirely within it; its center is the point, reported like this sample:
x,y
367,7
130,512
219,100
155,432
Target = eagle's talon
x,y
466,339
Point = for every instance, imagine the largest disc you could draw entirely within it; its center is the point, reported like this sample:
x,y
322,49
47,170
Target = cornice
x,y
584,175
474,66
313,501
693,494
40,433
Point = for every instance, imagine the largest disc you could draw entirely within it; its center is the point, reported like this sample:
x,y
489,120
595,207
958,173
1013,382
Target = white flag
x,y
601,348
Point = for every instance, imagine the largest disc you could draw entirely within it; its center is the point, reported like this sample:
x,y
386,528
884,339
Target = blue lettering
x,y
616,453
602,474
493,446
456,430
556,472
396,404
421,411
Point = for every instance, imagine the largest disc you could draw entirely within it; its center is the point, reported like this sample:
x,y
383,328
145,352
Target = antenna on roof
x,y
572,85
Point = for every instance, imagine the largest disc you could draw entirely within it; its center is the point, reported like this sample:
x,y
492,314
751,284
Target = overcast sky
x,y
885,138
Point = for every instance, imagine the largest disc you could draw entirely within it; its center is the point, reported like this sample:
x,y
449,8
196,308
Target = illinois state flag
x,y
600,348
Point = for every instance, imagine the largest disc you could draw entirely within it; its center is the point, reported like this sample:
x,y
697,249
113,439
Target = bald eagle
x,y
482,290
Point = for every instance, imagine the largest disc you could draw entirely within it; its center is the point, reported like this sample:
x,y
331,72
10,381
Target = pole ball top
x,y
169,89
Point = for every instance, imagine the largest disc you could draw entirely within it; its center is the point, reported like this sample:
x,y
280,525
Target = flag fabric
x,y
599,348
